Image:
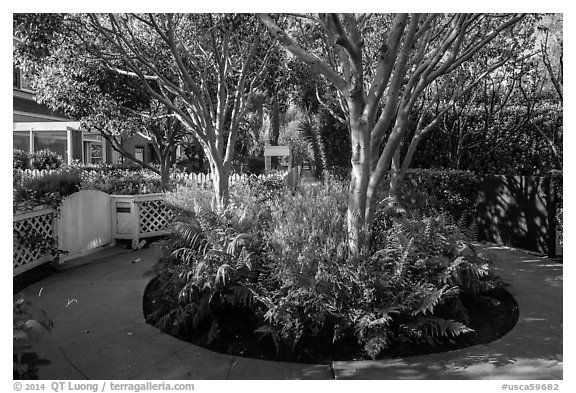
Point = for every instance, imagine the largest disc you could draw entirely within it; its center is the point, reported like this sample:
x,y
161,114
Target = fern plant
x,y
210,267
281,268
428,267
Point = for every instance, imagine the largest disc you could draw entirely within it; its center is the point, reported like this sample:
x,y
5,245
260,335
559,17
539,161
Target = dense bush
x,y
406,292
42,160
121,181
20,159
207,266
48,190
280,267
502,143
265,188
46,159
431,192
51,188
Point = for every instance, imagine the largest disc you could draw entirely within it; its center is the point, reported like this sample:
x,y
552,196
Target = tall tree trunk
x,y
165,164
384,164
360,137
220,176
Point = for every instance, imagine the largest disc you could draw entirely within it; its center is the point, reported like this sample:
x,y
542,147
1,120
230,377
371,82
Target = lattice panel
x,y
154,216
32,226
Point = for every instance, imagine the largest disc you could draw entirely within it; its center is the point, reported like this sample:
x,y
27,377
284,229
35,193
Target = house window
x,y
92,152
139,153
18,82
21,140
57,141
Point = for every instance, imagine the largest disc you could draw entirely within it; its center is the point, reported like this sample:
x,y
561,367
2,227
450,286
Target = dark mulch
x,y
492,316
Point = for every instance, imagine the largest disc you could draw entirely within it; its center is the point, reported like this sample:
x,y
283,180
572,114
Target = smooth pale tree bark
x,y
212,74
380,89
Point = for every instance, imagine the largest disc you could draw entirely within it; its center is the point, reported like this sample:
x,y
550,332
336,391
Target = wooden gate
x,y
84,223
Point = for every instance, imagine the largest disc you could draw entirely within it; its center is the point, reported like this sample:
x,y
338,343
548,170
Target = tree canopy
x,y
200,69
381,65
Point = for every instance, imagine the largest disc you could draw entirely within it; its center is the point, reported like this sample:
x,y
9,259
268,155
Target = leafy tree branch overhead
x,y
391,79
382,64
202,69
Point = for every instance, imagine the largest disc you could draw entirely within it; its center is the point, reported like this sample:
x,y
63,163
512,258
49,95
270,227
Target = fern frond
x,y
433,299
401,264
376,345
267,330
237,243
222,274
190,234
437,327
186,255
385,316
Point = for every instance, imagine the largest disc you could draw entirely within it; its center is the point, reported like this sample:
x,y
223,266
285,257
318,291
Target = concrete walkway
x,y
99,332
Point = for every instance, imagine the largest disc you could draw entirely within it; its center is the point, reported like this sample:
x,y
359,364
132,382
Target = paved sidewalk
x,y
531,350
100,333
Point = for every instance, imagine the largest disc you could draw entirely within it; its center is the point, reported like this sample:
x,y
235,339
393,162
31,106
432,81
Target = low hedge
x,y
453,192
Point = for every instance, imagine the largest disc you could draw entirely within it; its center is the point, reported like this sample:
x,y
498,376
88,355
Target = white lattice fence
x,y
136,217
31,231
154,216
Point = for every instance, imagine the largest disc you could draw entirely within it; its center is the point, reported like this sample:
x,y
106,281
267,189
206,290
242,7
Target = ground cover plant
x,y
30,326
272,273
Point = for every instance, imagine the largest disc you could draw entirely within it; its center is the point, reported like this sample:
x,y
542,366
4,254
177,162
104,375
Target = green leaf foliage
x,y
294,281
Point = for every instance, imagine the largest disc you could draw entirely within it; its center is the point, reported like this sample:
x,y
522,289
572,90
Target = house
x,y
36,127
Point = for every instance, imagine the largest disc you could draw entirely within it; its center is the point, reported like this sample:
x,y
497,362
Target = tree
x,y
201,69
509,123
551,44
67,79
381,65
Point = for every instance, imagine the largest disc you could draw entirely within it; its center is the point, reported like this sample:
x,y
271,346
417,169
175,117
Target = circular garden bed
x,y
492,315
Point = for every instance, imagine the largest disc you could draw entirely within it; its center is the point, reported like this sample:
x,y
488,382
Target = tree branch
x,y
302,54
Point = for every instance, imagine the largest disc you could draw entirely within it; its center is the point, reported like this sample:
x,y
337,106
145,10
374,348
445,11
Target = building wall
x,y
131,144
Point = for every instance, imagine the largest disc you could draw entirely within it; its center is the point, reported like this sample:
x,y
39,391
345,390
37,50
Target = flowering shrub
x,y
46,159
43,159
